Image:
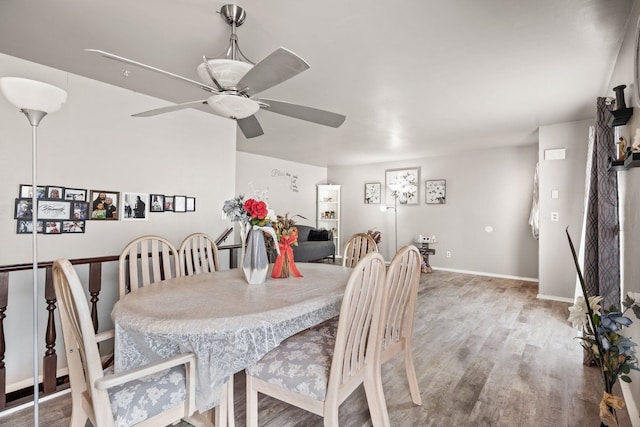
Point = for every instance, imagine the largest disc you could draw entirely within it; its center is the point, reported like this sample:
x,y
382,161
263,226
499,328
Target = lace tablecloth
x,y
227,323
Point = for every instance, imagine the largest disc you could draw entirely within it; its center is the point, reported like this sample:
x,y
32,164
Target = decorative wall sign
x,y
293,179
435,191
54,209
372,193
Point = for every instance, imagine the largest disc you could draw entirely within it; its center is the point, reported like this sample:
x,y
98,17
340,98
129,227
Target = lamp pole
x,y
395,217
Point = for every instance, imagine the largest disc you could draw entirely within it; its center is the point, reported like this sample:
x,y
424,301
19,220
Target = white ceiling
x,y
415,78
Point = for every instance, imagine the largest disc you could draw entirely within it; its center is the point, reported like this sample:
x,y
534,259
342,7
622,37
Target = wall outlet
x,y
555,216
448,254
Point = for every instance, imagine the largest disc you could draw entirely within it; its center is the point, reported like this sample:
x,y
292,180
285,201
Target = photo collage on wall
x,y
63,210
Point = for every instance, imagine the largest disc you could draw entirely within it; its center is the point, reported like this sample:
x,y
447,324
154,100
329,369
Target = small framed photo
x,y
402,185
104,205
191,204
25,226
372,191
73,226
52,227
157,203
25,191
75,194
54,192
23,209
179,203
435,191
80,211
168,203
135,206
54,209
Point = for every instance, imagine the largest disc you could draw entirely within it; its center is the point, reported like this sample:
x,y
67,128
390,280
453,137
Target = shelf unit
x,y
632,160
328,211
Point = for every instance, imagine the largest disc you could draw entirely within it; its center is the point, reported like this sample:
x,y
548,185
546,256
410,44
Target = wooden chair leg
x,y
376,401
230,403
411,376
252,404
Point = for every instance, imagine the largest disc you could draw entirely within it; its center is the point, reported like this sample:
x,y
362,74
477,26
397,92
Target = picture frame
x,y
54,192
24,226
110,201
52,227
23,209
157,203
402,186
79,211
73,227
168,203
179,203
25,191
134,206
191,204
372,193
53,209
435,191
78,194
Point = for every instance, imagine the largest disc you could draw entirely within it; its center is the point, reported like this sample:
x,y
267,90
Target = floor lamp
x,y
35,100
395,214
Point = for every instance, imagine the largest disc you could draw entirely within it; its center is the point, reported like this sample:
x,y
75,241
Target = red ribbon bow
x,y
286,251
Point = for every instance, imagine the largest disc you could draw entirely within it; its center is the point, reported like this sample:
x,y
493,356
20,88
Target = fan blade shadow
x,y
154,69
250,127
280,65
302,112
170,108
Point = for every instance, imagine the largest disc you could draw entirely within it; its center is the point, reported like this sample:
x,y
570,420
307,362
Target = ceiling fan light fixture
x,y
226,71
233,106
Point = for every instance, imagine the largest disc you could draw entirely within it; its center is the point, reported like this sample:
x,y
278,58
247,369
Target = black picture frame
x,y
135,206
79,211
54,192
435,192
23,226
23,209
52,227
157,203
179,203
372,193
191,204
168,203
73,227
24,191
54,210
75,194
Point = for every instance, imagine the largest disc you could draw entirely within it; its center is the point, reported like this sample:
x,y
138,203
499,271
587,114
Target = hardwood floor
x,y
486,351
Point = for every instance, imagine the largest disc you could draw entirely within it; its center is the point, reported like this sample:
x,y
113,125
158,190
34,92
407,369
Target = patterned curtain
x,y
601,240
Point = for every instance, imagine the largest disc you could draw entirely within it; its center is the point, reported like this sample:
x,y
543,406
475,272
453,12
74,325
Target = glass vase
x,y
255,263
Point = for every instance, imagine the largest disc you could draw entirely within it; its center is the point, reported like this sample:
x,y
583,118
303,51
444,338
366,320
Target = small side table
x,y
425,251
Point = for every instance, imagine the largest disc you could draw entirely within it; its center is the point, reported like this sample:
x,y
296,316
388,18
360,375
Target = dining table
x,y
228,324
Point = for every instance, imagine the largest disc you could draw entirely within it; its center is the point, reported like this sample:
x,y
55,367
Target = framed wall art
x,y
191,204
372,193
135,206
54,192
75,194
25,191
435,191
179,203
23,209
52,227
168,203
49,209
104,204
157,203
73,226
24,226
402,185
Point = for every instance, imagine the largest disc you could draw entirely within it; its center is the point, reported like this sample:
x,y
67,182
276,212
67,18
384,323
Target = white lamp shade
x,y
226,71
27,94
233,106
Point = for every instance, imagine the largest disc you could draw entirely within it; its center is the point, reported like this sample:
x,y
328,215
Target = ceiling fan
x,y
233,83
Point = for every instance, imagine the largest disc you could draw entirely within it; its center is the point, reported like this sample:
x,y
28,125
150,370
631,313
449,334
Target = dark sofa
x,y
319,246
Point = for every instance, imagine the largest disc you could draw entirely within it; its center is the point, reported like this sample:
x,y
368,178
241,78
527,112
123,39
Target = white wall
x,y
93,143
484,188
567,176
290,187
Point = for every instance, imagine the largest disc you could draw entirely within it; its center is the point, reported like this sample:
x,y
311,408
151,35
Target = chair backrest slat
x,y
198,254
356,248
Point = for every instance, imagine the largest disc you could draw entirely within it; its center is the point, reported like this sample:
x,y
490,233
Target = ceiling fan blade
x,y
170,108
154,69
302,112
250,127
281,65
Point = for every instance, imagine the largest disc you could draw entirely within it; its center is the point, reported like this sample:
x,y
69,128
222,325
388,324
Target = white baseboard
x,y
632,409
15,409
484,273
555,298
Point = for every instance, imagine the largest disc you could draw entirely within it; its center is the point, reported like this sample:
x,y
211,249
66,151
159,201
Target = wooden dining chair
x,y
158,394
356,248
198,254
401,292
316,371
146,260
